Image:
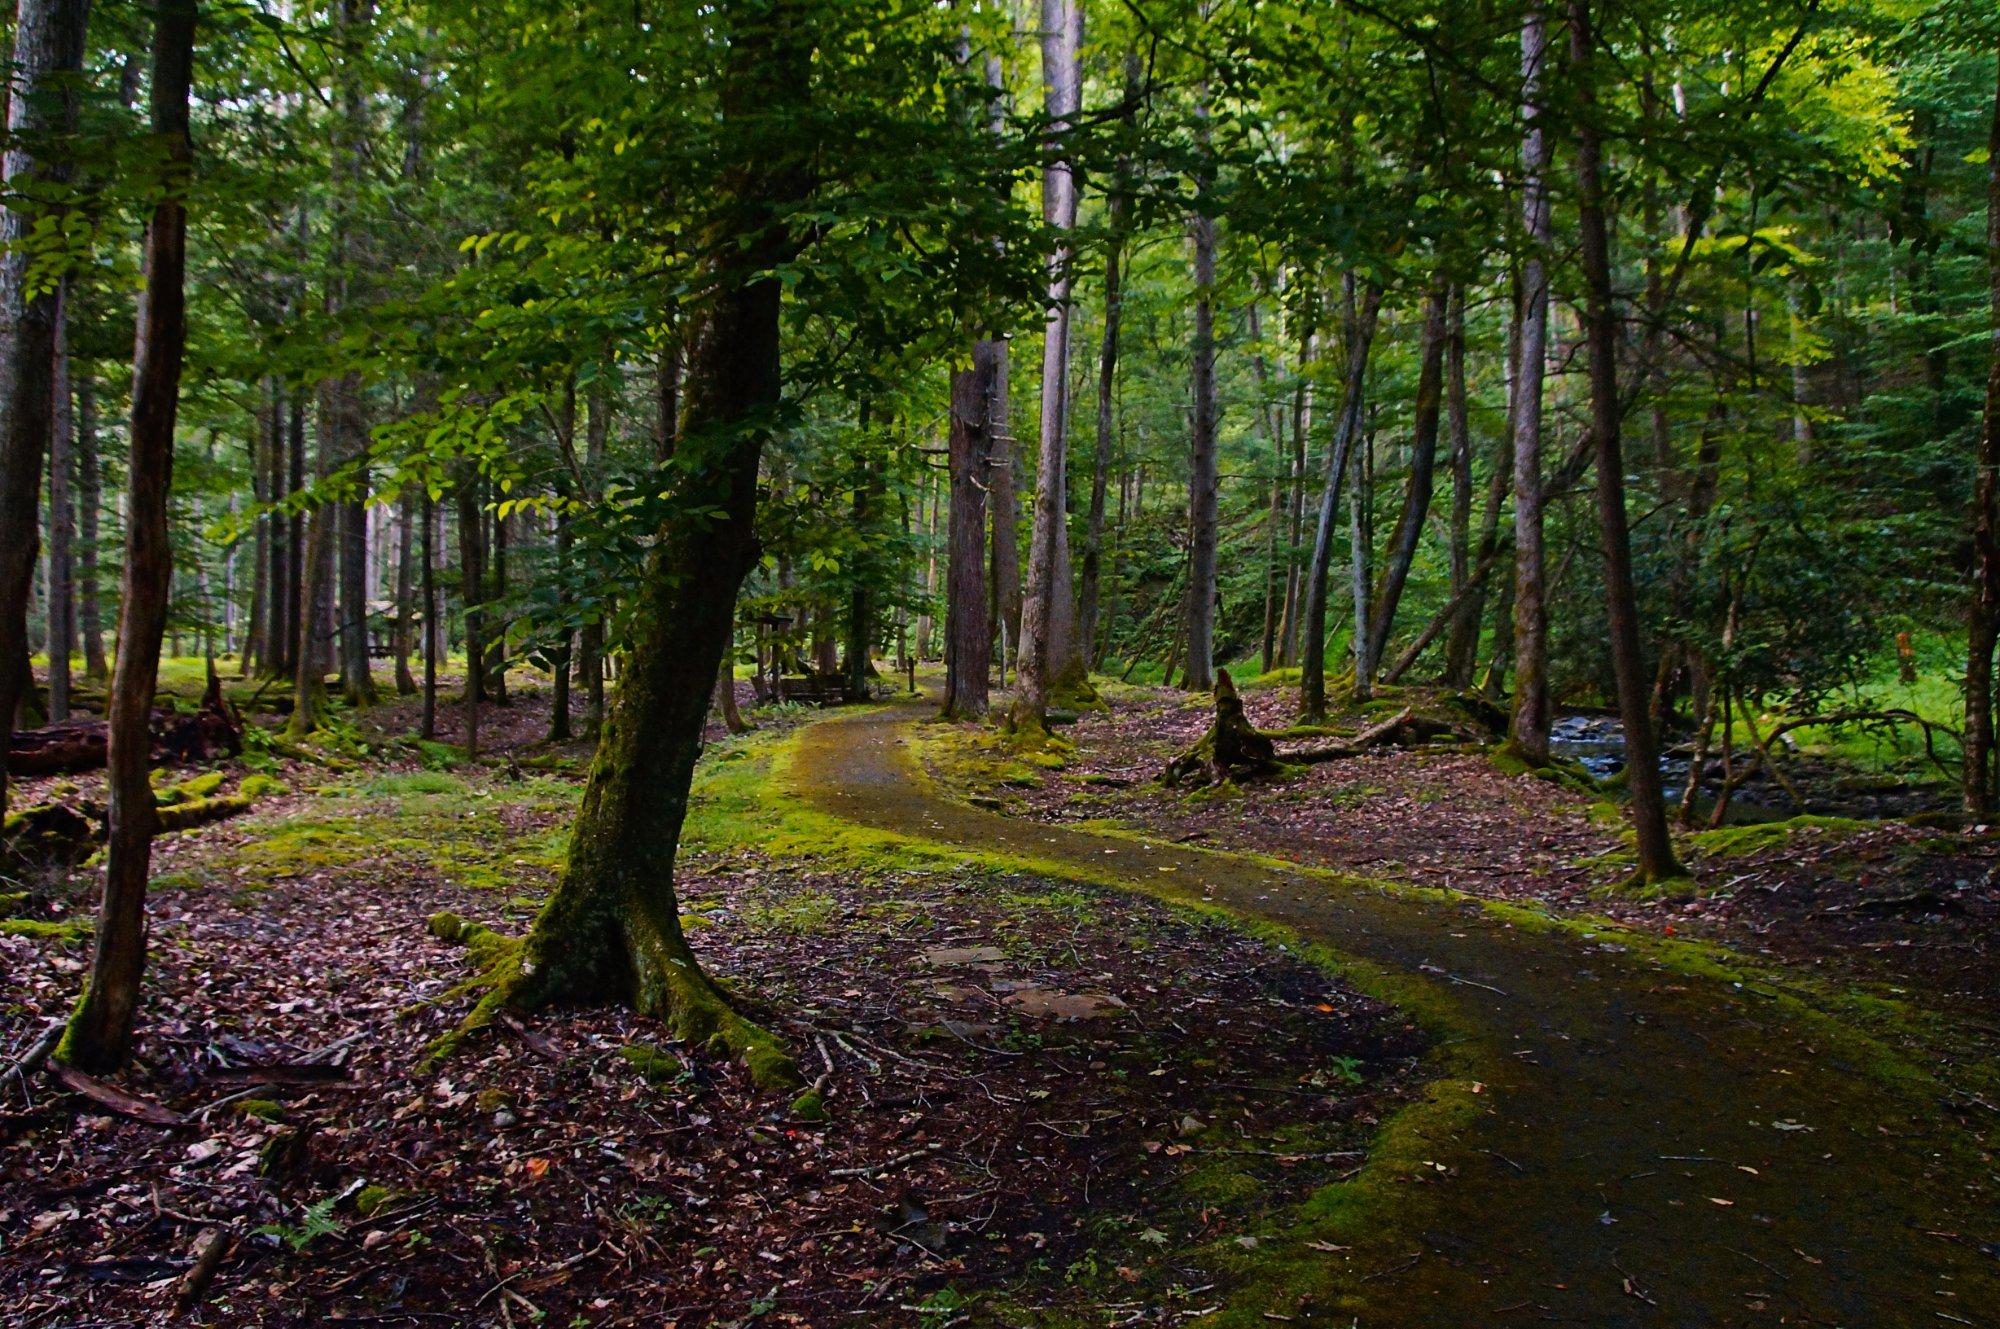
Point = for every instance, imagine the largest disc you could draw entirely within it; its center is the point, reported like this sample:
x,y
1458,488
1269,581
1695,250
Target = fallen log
x,y
1233,748
212,730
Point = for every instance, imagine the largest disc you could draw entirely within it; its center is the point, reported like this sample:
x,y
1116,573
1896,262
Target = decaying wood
x,y
1234,749
214,730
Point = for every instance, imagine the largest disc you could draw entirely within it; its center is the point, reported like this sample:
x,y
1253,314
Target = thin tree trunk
x,y
1360,338
426,511
975,436
1203,467
597,433
48,55
1528,727
1046,640
1302,410
406,520
1005,507
346,422
472,591
1984,618
1423,471
1458,424
1361,550
89,494
1642,763
62,528
100,1033
1118,209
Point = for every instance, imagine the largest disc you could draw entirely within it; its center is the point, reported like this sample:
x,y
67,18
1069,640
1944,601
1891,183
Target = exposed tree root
x,y
666,983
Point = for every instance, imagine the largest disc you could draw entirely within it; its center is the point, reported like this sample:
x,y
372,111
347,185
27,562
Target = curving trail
x,y
1623,1103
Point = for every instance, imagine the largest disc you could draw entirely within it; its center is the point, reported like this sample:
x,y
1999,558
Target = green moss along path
x,y
1621,1136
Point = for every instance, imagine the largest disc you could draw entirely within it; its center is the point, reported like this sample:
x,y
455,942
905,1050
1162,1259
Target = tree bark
x,y
1005,507
406,520
1360,338
347,422
89,493
41,118
1528,729
472,592
611,931
1458,426
427,512
1203,467
100,1033
62,529
597,434
1046,639
1642,762
1984,618
1118,211
975,436
1422,478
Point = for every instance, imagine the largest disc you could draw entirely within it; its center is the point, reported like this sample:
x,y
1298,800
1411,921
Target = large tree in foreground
x,y
611,931
769,136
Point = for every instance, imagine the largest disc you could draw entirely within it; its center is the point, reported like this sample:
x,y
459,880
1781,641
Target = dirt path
x,y
1647,1148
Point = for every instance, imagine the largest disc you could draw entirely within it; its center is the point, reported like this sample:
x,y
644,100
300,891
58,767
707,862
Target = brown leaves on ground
x,y
1014,1116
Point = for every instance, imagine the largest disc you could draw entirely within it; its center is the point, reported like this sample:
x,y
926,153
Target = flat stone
x,y
1064,1005
946,957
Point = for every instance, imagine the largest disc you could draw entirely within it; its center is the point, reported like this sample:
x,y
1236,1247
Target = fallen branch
x,y
113,1099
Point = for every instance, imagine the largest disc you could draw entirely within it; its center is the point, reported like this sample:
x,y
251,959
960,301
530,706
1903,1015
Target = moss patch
x,y
1758,837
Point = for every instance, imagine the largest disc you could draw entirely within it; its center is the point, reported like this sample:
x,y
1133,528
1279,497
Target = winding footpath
x,y
1645,1147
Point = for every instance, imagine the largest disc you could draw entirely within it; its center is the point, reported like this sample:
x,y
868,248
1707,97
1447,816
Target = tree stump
x,y
1232,747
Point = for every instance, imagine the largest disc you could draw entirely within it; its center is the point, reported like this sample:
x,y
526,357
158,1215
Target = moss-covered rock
x,y
810,1106
655,1065
263,1109
262,786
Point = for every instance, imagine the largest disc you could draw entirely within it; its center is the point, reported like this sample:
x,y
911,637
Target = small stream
x,y
1597,743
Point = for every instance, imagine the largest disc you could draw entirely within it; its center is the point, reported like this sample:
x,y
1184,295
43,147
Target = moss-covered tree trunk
x,y
611,931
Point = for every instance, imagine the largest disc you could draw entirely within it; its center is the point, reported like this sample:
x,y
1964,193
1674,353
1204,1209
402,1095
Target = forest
x,y
1026,663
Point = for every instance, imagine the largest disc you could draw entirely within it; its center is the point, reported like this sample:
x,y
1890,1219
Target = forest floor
x,y
1043,1101
1902,909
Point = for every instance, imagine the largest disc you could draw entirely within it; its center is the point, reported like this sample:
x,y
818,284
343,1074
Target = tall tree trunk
x,y
597,434
347,421
62,528
1458,425
560,659
256,646
89,495
41,118
1302,412
298,632
1984,618
100,1032
1422,478
1361,551
860,644
1528,727
975,436
495,676
1118,209
406,521
472,592
427,512
611,931
1642,762
1274,518
1005,507
1046,636
1360,339
1204,478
